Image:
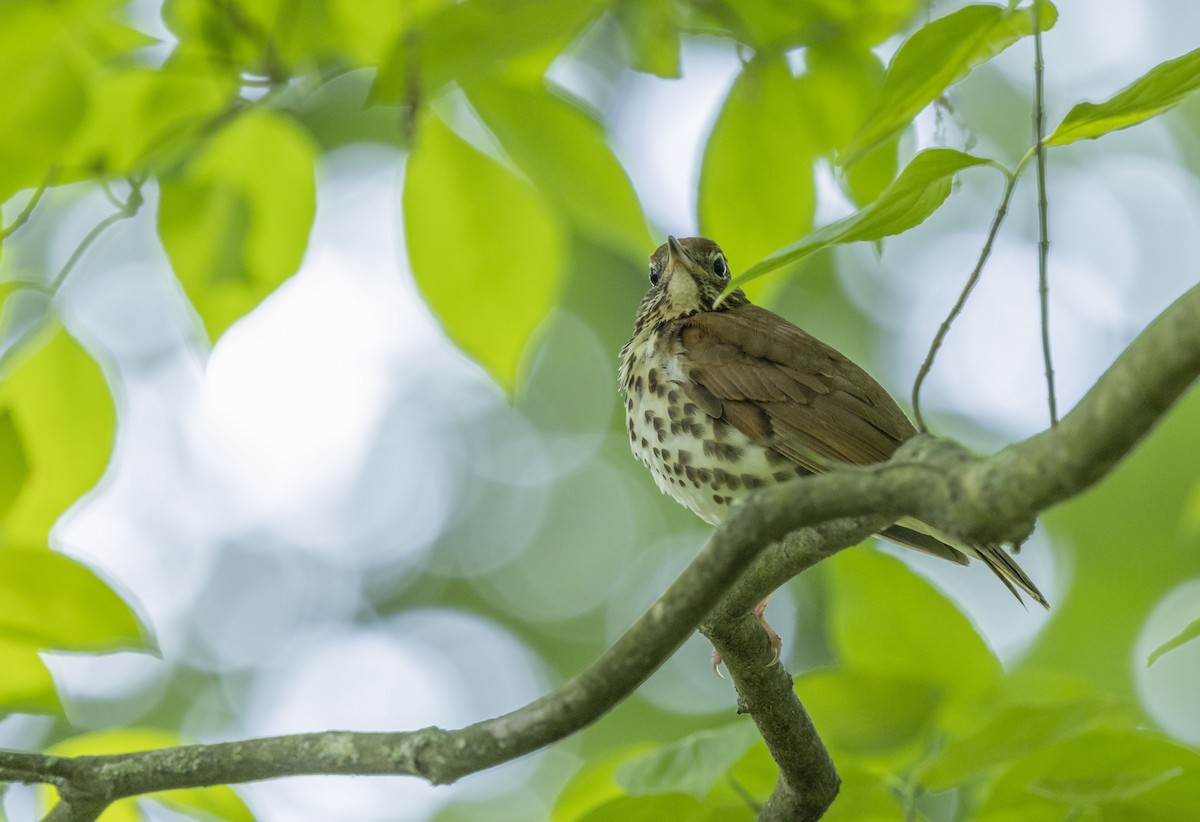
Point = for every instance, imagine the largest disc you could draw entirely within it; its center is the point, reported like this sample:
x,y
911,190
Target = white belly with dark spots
x,y
702,463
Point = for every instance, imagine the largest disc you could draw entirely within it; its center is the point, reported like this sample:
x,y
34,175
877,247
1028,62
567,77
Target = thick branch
x,y
1025,478
984,500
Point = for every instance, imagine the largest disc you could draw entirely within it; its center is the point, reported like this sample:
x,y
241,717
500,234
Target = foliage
x,y
917,706
512,188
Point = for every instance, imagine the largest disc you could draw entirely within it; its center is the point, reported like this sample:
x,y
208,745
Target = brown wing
x,y
786,389
790,392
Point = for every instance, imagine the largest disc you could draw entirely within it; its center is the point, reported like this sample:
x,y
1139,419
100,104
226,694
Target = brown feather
x,y
816,400
788,391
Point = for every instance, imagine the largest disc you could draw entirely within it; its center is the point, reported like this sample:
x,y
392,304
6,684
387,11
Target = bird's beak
x,y
678,257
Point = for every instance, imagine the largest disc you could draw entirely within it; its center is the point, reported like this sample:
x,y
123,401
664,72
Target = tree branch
x,y
981,500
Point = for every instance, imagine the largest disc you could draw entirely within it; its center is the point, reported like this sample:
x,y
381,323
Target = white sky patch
x,y
661,127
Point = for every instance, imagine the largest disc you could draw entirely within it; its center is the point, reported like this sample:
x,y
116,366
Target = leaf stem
x,y
972,280
1039,126
127,209
27,211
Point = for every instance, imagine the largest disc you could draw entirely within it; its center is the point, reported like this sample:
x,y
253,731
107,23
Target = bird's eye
x,y
719,267
655,275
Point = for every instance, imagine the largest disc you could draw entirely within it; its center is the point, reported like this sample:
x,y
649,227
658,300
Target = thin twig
x,y
127,209
27,211
944,329
745,795
1039,126
108,194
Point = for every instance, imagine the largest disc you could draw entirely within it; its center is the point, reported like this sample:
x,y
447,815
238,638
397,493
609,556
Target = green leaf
x,y
486,252
692,765
1111,788
920,189
201,803
336,113
1130,774
501,34
669,806
52,602
48,54
865,796
935,57
776,27
651,32
369,28
593,785
1158,90
888,621
235,220
1010,732
13,467
841,88
756,180
868,715
26,685
1191,632
136,113
60,403
543,134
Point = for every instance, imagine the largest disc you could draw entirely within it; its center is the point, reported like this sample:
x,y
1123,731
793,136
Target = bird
x,y
723,397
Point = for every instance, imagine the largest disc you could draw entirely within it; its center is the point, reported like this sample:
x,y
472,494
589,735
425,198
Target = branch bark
x,y
986,500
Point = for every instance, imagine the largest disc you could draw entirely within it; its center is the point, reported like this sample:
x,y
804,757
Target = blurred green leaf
x,y
886,620
567,352
369,28
214,33
500,34
756,180
867,179
1102,790
235,220
60,403
651,32
1191,632
775,27
486,252
219,802
48,54
864,796
920,189
26,685
1158,90
52,602
841,88
593,785
1010,732
25,315
13,467
544,133
868,715
136,113
337,114
669,806
935,57
1128,774
692,765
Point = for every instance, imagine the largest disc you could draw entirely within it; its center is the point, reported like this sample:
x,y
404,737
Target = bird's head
x,y
687,276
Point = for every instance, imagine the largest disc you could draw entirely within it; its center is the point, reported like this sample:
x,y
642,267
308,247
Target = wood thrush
x,y
723,399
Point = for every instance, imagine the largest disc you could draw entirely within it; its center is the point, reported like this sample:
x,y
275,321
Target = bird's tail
x,y
918,535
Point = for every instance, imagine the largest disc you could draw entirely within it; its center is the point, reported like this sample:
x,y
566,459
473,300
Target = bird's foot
x,y
776,643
